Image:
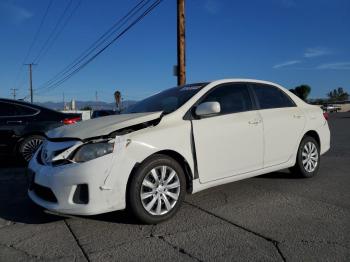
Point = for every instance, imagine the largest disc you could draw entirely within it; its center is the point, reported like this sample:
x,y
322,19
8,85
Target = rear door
x,y
231,142
283,123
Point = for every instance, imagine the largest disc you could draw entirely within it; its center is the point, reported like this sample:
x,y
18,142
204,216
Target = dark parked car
x,y
100,113
23,126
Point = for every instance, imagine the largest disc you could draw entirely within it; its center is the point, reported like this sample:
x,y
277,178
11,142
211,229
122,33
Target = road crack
x,y
274,242
179,249
77,241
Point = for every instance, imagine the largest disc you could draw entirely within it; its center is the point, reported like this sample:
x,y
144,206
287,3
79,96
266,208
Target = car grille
x,y
51,149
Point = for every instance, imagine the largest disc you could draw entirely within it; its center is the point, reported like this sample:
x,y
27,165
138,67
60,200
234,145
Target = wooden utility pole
x,y
30,81
14,90
181,54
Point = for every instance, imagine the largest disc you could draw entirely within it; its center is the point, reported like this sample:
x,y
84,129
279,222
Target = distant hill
x,y
93,104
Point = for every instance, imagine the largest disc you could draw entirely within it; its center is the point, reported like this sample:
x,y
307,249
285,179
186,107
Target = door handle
x,y
254,122
297,116
14,122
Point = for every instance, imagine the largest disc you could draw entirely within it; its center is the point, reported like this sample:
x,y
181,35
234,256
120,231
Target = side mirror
x,y
208,108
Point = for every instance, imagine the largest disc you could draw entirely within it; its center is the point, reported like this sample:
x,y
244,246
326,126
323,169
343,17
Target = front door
x,y
231,142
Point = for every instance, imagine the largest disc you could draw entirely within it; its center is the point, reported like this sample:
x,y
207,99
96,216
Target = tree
x,y
338,94
86,108
301,91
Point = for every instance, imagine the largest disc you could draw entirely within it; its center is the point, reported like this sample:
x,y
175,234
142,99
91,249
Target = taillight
x,y
325,115
73,120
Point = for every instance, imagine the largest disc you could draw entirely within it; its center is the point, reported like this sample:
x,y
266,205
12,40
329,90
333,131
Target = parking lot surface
x,y
275,217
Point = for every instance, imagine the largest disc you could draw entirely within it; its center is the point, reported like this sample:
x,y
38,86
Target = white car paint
x,y
227,148
99,127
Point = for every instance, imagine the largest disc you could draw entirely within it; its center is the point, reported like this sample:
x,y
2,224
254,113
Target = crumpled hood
x,y
101,126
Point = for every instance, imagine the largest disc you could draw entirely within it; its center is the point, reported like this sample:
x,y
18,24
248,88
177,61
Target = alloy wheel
x,y
310,157
30,146
160,190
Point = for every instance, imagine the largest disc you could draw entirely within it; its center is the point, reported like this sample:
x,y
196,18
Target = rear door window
x,y
7,109
12,109
271,97
25,110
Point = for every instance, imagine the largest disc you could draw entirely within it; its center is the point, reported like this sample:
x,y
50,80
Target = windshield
x,y
167,101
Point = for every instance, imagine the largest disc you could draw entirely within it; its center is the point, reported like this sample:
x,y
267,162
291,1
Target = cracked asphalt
x,y
275,217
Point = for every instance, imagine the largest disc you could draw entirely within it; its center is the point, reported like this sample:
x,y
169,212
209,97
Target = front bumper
x,y
55,187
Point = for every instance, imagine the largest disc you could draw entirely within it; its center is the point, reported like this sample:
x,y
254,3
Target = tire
x,y
308,158
29,145
162,198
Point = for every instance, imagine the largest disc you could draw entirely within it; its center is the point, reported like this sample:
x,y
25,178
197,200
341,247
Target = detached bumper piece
x,y
44,193
81,194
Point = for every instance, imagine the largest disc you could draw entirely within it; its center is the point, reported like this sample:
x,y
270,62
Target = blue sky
x,y
290,42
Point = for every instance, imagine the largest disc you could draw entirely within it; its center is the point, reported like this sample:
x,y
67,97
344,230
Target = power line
x,y
99,52
102,39
43,51
137,20
53,32
33,41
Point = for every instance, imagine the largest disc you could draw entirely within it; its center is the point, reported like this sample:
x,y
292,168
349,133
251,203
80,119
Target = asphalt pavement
x,y
274,217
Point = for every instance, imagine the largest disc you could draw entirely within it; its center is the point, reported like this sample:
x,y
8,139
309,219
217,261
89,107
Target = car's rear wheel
x,y
308,158
157,189
29,145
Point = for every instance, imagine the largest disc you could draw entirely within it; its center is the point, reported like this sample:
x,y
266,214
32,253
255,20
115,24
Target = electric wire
x,y
89,60
53,32
102,39
35,38
59,31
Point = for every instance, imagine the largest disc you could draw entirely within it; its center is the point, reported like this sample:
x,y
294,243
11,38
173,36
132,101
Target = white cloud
x,y
10,12
335,66
212,6
315,52
287,63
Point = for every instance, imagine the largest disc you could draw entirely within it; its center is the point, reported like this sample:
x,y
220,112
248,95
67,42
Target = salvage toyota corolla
x,y
182,140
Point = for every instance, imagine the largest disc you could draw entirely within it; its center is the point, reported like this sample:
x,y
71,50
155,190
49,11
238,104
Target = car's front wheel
x,y
157,189
308,158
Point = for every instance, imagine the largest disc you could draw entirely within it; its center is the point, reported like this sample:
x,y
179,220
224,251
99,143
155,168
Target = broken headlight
x,y
91,151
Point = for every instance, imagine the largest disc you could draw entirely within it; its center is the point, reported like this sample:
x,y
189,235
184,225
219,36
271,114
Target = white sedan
x,y
182,140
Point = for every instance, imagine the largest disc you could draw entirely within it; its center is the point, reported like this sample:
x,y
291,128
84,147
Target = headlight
x,y
91,151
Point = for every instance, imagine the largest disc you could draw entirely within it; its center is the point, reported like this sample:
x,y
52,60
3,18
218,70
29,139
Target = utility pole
x,y
181,55
64,101
30,81
14,90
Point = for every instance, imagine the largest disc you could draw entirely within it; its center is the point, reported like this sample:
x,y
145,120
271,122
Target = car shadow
x,y
11,162
16,206
120,217
283,174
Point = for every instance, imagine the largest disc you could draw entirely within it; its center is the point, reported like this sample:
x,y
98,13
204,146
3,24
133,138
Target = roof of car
x,y
25,104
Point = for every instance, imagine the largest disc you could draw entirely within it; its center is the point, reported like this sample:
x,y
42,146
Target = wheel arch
x,y
26,135
314,135
174,155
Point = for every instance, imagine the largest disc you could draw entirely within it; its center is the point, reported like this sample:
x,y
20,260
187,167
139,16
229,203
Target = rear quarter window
x,y
26,111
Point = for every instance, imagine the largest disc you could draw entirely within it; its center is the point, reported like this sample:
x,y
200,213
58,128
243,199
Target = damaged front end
x,y
84,176
61,151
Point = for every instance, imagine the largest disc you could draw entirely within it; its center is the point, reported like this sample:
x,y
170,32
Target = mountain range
x,y
81,104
